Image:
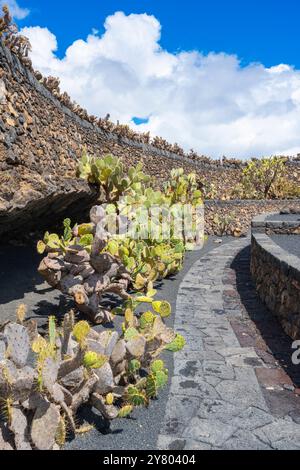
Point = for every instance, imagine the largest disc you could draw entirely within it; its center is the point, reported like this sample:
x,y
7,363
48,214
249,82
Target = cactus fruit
x,y
110,399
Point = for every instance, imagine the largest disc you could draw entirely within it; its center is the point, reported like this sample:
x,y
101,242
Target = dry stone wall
x,y
276,274
41,141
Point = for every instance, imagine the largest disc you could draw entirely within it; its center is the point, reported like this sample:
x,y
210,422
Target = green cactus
x,y
136,397
92,360
61,433
131,333
146,319
157,366
161,378
134,366
162,307
151,386
125,411
109,399
177,344
52,331
81,331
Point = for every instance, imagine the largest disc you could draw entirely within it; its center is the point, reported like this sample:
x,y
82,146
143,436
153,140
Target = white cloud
x,y
208,102
16,11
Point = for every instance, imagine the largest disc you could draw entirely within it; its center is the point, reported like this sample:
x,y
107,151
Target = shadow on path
x,y
277,342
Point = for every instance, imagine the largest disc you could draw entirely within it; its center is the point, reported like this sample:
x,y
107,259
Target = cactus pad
x,y
92,360
162,307
177,344
125,411
18,343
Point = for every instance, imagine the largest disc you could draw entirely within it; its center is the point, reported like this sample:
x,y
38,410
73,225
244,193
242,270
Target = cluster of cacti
x,y
45,380
112,177
266,178
90,260
77,265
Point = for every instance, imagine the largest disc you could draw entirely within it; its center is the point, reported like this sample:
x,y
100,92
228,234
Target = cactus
x,y
136,397
151,387
161,378
110,399
133,366
131,333
52,331
21,313
92,360
157,366
45,399
146,319
177,344
125,411
162,307
18,343
81,331
61,432
76,265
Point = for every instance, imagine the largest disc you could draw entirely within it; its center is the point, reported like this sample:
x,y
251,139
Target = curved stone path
x,y
229,389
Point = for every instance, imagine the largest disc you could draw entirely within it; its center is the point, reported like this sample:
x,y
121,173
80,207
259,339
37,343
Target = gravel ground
x,y
290,243
20,283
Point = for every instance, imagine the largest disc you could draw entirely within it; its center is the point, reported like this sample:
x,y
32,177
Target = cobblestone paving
x,y
229,389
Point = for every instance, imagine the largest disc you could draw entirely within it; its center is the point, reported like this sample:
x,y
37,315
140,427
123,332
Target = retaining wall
x,y
276,273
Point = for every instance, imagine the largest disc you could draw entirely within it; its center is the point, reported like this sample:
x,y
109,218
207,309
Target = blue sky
x,y
219,76
266,31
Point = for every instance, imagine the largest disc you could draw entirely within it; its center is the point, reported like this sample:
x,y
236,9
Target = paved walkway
x,y
230,389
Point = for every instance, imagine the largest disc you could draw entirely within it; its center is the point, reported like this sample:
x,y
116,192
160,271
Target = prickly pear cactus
x,y
18,343
76,265
75,365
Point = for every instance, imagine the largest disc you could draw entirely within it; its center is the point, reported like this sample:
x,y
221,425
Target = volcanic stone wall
x,y
41,141
276,274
